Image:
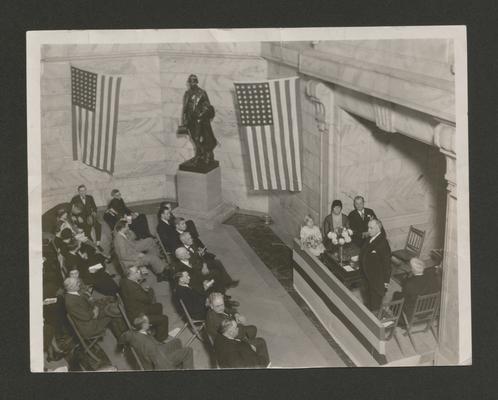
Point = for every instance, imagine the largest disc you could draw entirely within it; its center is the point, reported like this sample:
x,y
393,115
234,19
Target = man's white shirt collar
x,y
75,293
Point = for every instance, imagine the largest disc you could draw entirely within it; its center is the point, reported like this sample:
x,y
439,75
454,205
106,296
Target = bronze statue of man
x,y
196,118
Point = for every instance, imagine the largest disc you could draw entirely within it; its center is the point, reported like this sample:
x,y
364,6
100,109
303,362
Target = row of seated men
x,y
197,274
366,232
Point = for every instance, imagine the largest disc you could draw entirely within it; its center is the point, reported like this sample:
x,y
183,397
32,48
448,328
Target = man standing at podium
x,y
375,264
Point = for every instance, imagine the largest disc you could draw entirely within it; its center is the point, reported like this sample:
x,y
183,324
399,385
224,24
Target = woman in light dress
x,y
311,237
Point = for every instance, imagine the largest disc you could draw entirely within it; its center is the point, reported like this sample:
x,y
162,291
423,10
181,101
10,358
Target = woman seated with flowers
x,y
311,237
335,222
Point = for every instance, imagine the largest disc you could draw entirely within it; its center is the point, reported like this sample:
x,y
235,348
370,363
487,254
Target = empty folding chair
x,y
389,315
413,247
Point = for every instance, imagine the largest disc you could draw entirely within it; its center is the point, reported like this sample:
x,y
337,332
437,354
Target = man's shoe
x,y
234,283
232,303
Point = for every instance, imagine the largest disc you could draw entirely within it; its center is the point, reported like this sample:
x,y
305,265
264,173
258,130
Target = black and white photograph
x,y
248,199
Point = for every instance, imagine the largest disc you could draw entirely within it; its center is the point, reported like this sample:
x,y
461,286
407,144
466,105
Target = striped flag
x,y
270,115
95,106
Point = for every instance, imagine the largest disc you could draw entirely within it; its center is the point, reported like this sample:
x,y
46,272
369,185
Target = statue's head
x,y
193,80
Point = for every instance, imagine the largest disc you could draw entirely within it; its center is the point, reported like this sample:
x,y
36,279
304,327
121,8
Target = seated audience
x,y
334,221
194,301
311,237
139,299
84,211
420,283
238,353
90,320
358,220
91,267
142,252
217,313
117,209
182,225
200,255
153,354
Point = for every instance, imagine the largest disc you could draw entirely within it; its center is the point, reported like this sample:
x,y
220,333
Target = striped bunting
x,y
270,115
95,106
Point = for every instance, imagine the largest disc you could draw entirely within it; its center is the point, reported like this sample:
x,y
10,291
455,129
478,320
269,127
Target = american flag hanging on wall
x,y
270,115
95,106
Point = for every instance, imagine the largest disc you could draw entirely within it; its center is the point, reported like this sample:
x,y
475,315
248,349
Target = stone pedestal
x,y
200,197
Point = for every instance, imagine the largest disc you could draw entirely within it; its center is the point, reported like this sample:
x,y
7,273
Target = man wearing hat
x,y
196,116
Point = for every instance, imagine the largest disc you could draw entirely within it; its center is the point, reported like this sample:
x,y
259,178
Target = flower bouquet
x,y
339,237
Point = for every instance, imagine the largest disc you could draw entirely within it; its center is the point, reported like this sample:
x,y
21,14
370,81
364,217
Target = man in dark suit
x,y
201,255
85,204
358,221
237,353
375,264
167,232
194,301
89,319
154,354
117,210
198,272
419,283
140,300
218,313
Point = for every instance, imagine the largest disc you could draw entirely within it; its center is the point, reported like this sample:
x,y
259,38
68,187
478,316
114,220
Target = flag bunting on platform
x,y
95,106
270,115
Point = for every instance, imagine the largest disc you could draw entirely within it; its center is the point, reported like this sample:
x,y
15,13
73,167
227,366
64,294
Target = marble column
x,y
322,97
455,320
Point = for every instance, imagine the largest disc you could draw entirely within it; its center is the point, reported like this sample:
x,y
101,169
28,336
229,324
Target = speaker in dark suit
x,y
375,264
358,221
83,206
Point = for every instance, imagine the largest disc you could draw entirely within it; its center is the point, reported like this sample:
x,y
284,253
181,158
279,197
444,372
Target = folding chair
x,y
389,315
167,255
413,247
128,324
196,325
61,260
424,311
86,343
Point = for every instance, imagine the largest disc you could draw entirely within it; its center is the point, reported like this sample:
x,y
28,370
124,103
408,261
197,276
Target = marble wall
x,y
148,149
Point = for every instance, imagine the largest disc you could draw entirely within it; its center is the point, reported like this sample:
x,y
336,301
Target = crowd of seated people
x,y
372,251
77,284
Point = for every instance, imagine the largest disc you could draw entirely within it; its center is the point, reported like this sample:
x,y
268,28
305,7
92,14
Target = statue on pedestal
x,y
197,114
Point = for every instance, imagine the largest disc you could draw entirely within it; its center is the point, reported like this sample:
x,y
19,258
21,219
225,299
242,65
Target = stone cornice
x,y
430,95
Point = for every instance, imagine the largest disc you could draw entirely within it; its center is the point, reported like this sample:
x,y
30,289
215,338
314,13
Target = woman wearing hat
x,y
335,220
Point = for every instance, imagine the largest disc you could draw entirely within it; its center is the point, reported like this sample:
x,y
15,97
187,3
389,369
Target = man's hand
x,y
240,319
201,251
95,312
207,284
386,286
253,347
364,234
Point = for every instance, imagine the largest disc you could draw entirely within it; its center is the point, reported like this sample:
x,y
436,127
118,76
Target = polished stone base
x,y
200,197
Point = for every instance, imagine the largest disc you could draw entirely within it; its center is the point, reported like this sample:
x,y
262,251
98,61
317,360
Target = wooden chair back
x,y
425,309
415,241
389,316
